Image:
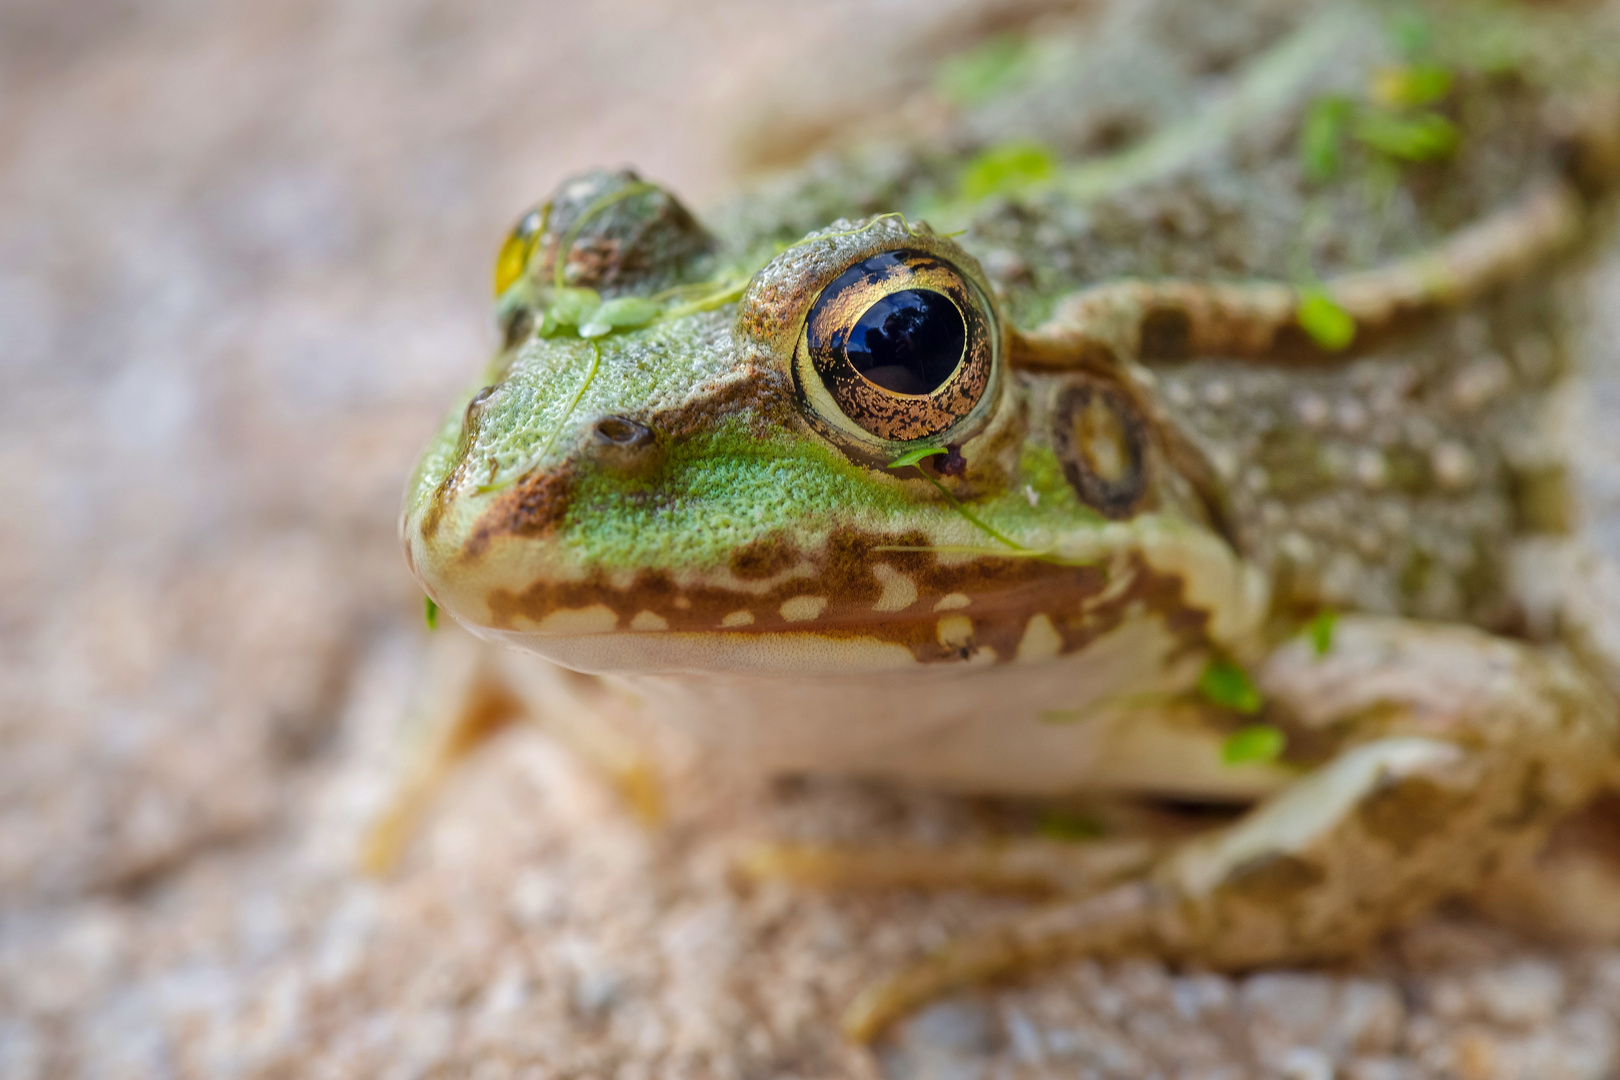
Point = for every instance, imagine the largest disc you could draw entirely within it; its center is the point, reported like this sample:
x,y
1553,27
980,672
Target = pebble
x,y
951,1040
1305,1063
1520,994
1287,1005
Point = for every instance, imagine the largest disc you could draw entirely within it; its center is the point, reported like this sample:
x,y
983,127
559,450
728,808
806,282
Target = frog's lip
x,y
872,608
916,619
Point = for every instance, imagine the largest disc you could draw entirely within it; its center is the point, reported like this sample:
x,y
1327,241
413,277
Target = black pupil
x,y
909,342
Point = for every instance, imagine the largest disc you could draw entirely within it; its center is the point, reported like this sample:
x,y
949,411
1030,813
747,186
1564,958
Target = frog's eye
x,y
518,246
1102,441
902,342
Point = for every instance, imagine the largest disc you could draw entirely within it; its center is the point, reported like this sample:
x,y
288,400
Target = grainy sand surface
x,y
244,260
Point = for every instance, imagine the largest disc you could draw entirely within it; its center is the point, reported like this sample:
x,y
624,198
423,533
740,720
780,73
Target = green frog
x,y
1180,416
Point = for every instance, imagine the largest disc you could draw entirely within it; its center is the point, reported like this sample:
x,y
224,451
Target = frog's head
x,y
830,466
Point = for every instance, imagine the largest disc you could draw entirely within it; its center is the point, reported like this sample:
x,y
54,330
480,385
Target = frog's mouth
x,y
869,602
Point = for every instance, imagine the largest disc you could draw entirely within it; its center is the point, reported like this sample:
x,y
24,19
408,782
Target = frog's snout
x,y
534,506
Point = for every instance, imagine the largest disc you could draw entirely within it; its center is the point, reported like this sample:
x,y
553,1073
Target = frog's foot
x,y
1050,866
1464,750
472,692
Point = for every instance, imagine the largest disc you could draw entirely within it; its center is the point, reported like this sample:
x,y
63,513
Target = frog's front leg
x,y
472,691
1461,750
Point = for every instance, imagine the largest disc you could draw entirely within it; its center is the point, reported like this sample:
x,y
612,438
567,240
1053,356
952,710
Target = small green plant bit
x,y
914,458
1411,86
1395,121
1320,631
1255,744
568,309
709,296
1414,138
623,312
1009,169
985,71
1321,137
1227,685
430,613
572,311
1328,324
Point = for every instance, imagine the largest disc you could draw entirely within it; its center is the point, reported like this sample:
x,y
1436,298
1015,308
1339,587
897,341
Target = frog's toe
x,y
1125,919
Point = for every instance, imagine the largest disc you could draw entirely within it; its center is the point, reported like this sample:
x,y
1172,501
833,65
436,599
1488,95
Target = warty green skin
x,y
671,506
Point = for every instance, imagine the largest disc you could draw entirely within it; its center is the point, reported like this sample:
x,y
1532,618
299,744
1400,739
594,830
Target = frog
x,y
1202,436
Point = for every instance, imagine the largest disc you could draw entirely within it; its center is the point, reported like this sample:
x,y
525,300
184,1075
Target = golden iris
x,y
518,246
902,344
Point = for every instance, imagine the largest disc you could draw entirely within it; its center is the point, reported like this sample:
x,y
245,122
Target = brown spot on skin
x,y
596,260
758,396
1404,812
532,508
429,526
1274,880
1005,592
1090,416
1166,335
1055,352
764,558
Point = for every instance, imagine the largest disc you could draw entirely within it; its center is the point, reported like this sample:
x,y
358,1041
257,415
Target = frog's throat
x,y
857,603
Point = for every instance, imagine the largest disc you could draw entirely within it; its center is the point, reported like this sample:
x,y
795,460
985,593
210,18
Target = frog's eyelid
x,y
910,230
560,264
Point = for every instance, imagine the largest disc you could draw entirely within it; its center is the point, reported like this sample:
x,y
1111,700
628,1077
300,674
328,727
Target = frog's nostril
x,y
618,431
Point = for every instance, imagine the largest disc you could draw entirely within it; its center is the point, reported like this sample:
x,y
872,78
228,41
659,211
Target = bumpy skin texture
x,y
1168,450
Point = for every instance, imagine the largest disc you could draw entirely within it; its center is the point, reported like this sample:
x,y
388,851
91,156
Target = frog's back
x,y
1397,477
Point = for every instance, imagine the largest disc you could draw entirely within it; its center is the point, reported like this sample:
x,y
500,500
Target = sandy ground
x,y
244,260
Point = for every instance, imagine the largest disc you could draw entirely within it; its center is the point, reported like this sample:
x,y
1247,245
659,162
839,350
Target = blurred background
x,y
245,260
